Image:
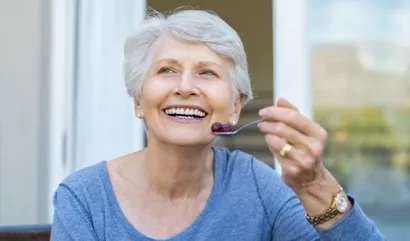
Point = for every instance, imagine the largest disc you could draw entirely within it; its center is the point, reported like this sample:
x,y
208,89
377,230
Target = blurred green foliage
x,y
370,135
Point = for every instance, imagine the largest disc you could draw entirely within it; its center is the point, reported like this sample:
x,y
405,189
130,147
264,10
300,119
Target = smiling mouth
x,y
185,113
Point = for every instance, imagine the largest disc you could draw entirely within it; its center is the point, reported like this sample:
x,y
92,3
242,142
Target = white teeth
x,y
186,117
185,113
170,111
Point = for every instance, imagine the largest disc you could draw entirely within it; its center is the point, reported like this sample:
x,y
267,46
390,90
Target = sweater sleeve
x,y
287,216
355,225
71,219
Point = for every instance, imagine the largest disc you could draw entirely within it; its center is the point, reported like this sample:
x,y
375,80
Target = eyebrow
x,y
205,63
170,61
176,62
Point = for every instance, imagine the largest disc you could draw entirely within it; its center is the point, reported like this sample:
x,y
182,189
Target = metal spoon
x,y
236,132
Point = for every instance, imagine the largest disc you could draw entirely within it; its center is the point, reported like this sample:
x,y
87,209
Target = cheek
x,y
153,94
220,96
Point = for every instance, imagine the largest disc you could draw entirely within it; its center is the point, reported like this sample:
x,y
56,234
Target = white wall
x,y
23,80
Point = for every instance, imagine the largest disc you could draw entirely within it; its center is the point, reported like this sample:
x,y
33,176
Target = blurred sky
x,y
358,21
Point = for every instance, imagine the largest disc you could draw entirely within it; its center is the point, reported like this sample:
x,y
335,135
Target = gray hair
x,y
188,25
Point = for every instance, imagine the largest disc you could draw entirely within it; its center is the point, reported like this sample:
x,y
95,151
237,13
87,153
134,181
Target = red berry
x,y
216,127
226,128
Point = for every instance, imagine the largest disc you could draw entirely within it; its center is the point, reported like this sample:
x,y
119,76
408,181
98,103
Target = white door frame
x,y
63,92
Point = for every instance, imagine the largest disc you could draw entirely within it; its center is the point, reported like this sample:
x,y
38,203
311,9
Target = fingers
x,y
283,124
295,160
285,132
276,144
295,120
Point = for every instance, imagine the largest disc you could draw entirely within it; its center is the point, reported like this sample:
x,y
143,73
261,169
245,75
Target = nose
x,y
186,86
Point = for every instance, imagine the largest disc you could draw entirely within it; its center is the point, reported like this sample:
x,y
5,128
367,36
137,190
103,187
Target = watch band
x,y
324,217
332,212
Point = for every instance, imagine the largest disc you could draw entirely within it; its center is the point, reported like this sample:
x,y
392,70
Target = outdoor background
x,y
360,70
63,101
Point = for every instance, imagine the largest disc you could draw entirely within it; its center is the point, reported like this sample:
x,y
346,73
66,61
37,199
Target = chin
x,y
193,143
188,139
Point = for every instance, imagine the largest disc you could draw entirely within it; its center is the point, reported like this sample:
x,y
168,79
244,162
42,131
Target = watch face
x,y
342,203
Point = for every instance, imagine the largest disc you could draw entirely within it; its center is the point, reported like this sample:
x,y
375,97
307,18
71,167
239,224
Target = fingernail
x,y
262,112
277,100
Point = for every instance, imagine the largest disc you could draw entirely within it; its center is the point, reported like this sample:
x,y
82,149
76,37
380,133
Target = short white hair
x,y
194,26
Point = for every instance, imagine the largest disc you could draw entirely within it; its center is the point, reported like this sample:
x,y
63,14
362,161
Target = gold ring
x,y
285,150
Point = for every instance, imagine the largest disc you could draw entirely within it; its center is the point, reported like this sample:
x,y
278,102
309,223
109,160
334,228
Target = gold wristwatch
x,y
339,205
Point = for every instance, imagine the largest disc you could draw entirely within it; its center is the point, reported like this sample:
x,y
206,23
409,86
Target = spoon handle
x,y
250,124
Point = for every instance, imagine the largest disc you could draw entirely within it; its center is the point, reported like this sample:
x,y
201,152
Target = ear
x,y
237,108
139,112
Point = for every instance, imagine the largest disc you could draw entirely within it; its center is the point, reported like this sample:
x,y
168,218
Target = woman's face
x,y
187,89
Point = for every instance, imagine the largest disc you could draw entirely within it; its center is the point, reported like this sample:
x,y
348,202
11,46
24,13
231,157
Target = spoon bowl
x,y
236,132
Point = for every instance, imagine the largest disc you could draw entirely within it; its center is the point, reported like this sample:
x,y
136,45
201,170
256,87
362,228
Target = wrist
x,y
316,197
337,210
324,201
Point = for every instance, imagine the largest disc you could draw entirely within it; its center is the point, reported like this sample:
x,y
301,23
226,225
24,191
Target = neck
x,y
178,171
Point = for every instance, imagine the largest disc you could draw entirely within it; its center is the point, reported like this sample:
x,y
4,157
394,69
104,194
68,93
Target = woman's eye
x,y
166,71
208,72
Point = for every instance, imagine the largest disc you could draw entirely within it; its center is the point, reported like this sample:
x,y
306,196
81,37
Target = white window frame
x,y
291,55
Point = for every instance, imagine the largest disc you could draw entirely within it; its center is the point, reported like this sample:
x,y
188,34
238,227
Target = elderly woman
x,y
186,72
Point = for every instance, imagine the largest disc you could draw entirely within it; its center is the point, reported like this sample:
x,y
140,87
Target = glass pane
x,y
360,69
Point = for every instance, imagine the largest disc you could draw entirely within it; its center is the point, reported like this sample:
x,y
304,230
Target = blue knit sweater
x,y
249,202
